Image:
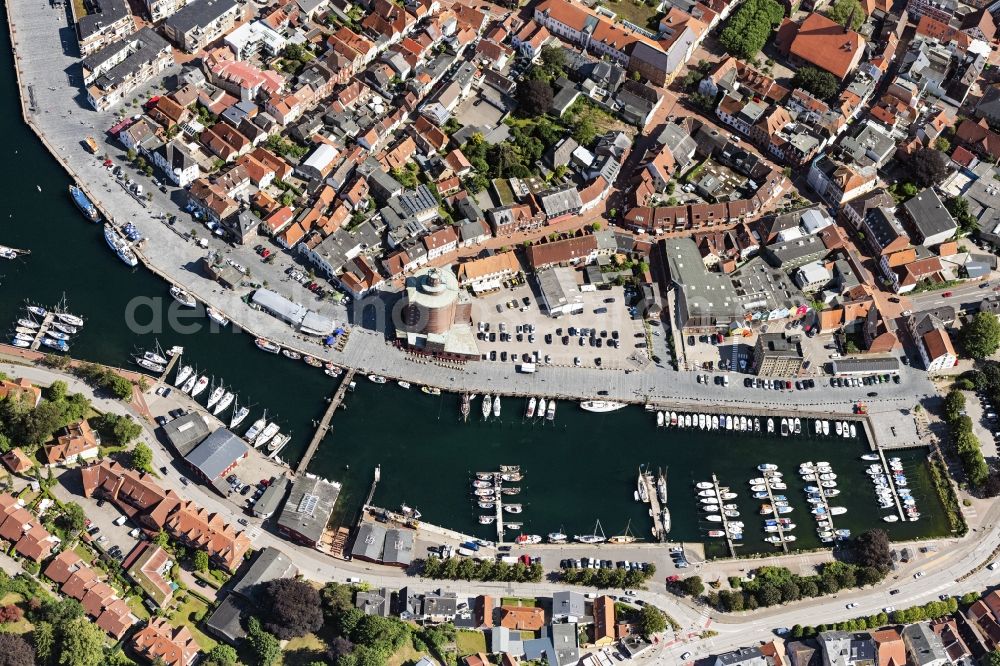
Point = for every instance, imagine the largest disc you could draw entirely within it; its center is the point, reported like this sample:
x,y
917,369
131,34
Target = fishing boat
x,y
431,390
312,361
55,344
215,396
530,411
541,408
659,419
85,205
269,431
527,539
377,379
487,520
770,426
557,537
596,537
239,413
550,412
37,311
624,537
183,297
216,316
149,365
199,386
267,345
27,323
487,403
292,354
601,406
496,406
120,247
224,402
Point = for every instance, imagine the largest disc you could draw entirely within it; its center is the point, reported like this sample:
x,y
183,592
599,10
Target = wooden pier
x,y
722,513
774,509
42,330
498,505
892,484
646,479
170,366
324,423
826,500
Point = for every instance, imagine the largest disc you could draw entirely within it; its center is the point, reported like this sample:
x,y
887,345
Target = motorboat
x,y
183,297
431,390
715,518
484,476
706,493
758,487
216,316
336,372
312,361
255,429
715,534
828,477
541,408
784,427
188,385
527,539
37,311
292,354
479,483
760,494
550,411
267,345
854,431
837,510
199,386
533,402
727,496
839,428
710,508
846,429
704,485
487,520
715,421
215,396
403,384
870,457
767,467
496,406
224,402
484,492
487,404
23,344
60,345
85,205
826,428
557,537
513,508
756,424
602,406
377,379
709,500
120,246
770,426
487,505
687,420
797,429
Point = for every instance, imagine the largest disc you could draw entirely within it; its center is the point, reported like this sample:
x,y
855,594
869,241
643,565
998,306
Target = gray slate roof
x,y
217,453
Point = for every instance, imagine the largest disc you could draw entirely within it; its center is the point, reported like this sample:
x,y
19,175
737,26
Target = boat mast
x,y
598,530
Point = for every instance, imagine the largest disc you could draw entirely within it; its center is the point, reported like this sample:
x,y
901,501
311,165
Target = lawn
x,y
518,601
138,609
634,11
405,655
470,642
189,614
303,650
85,553
21,626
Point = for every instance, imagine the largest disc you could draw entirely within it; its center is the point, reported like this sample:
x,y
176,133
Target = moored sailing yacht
x,y
239,413
496,405
601,406
541,407
596,537
216,396
464,408
199,386
224,402
624,537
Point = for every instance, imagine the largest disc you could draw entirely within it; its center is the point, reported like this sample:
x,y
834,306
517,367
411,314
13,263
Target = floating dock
x,y
659,529
774,510
324,423
892,484
42,330
722,513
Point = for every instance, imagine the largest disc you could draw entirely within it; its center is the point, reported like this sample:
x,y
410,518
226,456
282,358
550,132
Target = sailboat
x,y
541,407
255,429
216,396
624,537
224,402
557,537
596,537
239,413
182,374
496,406
270,430
199,386
189,384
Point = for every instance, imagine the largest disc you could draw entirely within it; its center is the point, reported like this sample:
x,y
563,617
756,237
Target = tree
x,y
694,586
265,646
15,651
81,644
116,429
747,31
72,518
44,638
294,608
57,391
222,655
954,405
201,561
959,209
991,658
981,336
552,63
822,85
928,167
847,13
871,549
651,621
534,98
141,458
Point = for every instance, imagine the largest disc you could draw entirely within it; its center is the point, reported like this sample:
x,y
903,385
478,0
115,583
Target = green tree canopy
x,y
81,644
822,85
847,11
981,336
651,621
748,30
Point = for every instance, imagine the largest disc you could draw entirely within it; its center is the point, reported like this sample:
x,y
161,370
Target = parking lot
x,y
735,353
478,112
603,335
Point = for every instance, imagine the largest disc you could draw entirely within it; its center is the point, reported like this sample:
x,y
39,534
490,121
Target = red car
x,y
946,294
265,253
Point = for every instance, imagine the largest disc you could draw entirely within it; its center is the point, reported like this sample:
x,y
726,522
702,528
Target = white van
x,y
353,579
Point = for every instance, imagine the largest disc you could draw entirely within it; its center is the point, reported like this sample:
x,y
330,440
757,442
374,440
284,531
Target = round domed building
x,y
436,316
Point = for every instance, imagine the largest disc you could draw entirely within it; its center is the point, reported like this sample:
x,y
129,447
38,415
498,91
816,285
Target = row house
x,y
211,200
244,80
565,252
225,142
387,23
358,50
508,220
114,72
932,340
440,242
78,580
161,9
837,182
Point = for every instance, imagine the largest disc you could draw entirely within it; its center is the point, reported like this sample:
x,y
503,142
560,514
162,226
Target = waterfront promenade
x,y
49,77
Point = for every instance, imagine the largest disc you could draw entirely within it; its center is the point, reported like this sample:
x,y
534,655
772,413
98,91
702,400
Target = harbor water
x,y
579,469
584,466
